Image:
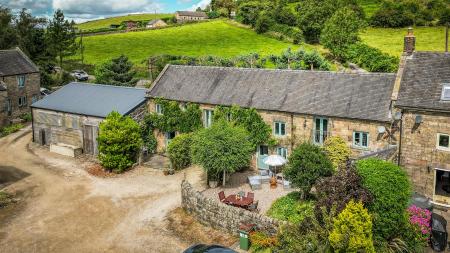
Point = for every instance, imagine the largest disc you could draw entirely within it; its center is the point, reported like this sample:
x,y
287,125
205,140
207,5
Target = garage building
x,y
68,119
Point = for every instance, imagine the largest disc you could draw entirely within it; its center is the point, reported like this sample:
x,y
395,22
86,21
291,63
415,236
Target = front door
x,y
320,130
263,152
90,139
42,137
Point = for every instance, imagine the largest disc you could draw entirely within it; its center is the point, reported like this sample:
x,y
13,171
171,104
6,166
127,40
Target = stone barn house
x,y
189,16
19,85
68,119
298,105
156,23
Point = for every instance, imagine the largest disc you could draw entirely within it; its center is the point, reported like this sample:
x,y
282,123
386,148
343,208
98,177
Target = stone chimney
x,y
410,42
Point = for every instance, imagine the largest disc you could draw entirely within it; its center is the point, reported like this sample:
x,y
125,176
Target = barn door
x,y
42,137
89,139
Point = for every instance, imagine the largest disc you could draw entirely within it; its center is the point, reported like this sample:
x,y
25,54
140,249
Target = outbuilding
x,y
68,119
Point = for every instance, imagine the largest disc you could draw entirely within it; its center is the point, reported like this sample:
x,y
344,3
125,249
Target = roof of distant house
x,y
154,21
345,95
93,99
200,14
15,62
424,76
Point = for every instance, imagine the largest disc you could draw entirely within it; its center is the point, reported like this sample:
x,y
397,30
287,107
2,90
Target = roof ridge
x,y
108,85
286,70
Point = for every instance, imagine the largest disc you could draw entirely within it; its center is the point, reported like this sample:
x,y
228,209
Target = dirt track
x,y
64,209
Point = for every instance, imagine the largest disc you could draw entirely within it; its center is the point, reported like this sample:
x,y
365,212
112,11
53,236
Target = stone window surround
x,y
280,122
22,101
21,81
437,142
361,136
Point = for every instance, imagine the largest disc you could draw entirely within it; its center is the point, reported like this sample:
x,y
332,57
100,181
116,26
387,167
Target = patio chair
x,y
250,195
222,196
286,184
253,207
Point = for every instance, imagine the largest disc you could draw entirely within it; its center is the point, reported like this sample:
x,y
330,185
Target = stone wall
x,y
31,89
299,128
4,118
220,216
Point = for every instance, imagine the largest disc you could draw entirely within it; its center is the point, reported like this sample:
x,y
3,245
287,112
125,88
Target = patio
x,y
238,182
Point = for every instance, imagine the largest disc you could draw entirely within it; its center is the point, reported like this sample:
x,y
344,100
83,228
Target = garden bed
x,y
290,208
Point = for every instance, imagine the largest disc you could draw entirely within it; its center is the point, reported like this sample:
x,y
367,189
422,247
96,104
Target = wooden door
x,y
42,137
89,140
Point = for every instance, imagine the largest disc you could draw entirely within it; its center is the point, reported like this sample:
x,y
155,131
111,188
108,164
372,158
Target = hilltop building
x,y
155,23
186,16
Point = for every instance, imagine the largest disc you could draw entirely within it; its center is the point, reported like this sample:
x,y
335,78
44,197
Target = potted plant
x,y
166,171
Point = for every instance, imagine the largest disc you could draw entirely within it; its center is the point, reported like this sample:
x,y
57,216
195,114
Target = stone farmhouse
x,y
68,119
187,16
155,23
19,85
299,105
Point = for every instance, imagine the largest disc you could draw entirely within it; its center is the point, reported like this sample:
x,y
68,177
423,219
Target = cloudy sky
x,y
82,10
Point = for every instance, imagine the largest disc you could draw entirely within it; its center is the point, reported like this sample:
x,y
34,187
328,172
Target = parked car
x,y
44,92
203,248
80,75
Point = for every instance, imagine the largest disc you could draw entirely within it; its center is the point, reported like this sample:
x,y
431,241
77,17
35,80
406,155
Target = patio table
x,y
243,202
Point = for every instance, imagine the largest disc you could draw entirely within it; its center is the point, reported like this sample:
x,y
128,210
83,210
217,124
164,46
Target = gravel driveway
x,y
62,208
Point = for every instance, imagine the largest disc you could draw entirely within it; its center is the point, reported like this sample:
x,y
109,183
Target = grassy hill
x,y
106,22
369,6
390,40
219,38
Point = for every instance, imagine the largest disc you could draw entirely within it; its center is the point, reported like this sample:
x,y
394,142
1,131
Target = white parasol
x,y
275,160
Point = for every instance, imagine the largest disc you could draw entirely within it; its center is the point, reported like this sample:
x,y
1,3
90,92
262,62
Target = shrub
x,y
337,151
291,209
263,23
119,141
371,59
27,117
391,190
10,129
261,241
118,71
352,230
179,150
306,164
338,190
221,148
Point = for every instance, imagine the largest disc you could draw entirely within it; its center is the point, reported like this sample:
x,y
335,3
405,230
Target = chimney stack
x,y
410,42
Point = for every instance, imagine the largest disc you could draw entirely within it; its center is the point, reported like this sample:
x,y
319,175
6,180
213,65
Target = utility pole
x,y
81,47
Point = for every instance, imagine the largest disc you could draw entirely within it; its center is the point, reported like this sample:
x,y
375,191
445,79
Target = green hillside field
x,y
106,22
390,40
219,38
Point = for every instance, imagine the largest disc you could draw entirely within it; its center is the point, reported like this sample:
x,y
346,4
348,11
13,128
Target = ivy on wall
x,y
249,119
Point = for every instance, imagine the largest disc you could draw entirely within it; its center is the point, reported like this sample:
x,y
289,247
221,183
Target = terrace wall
x,y
223,217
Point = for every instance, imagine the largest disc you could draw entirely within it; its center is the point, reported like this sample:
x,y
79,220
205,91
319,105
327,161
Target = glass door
x,y
320,130
263,152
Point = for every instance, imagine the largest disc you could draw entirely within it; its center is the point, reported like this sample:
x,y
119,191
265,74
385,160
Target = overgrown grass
x,y
219,38
369,6
106,22
5,199
290,208
390,40
10,129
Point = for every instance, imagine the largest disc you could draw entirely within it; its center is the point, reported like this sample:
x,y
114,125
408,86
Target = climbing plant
x,y
250,120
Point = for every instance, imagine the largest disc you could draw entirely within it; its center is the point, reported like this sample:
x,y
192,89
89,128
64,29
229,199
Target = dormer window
x,y
445,92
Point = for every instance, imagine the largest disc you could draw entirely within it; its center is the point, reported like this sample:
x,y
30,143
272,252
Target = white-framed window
x,y
34,98
443,141
282,151
158,109
360,139
207,118
21,81
22,101
445,96
8,106
279,128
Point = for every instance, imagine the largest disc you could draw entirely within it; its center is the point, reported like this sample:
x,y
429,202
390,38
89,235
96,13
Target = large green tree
x,y
119,71
222,148
341,31
8,35
119,141
61,36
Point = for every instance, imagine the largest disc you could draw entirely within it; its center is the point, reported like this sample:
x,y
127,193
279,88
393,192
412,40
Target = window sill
x,y
360,148
443,149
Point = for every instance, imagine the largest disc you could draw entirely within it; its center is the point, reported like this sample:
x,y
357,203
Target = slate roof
x,y
346,95
422,81
200,14
15,62
93,99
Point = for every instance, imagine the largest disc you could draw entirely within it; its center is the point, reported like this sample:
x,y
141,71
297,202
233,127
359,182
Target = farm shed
x,y
68,119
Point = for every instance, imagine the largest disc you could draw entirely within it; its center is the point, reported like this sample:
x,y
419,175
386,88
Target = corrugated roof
x,y
15,62
192,13
345,95
424,75
93,99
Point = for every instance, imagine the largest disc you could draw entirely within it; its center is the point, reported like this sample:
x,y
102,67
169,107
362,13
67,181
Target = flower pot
x,y
166,172
213,184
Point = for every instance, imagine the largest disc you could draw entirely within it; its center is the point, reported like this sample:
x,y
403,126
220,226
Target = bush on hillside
x,y
371,59
338,190
222,148
306,164
391,190
179,150
119,141
263,24
337,151
352,230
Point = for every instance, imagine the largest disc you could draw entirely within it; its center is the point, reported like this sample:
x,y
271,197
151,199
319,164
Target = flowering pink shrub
x,y
420,220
